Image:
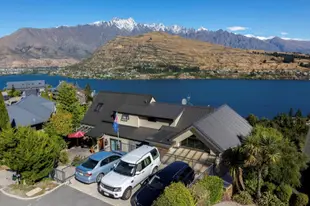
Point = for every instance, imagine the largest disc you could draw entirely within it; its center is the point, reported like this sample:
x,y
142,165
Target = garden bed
x,y
21,190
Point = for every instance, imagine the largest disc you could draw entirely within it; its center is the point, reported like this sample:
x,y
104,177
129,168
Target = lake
x,y
260,97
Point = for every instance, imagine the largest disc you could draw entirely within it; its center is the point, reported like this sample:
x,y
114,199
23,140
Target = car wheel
x,y
127,194
99,177
154,170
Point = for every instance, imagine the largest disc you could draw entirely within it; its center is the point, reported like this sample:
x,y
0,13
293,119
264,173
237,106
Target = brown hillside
x,y
161,50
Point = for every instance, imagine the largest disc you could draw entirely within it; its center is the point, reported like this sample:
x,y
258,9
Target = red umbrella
x,y
78,134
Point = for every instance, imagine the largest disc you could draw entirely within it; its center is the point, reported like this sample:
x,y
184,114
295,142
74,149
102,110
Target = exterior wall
x,y
127,145
175,123
152,100
182,137
143,122
133,120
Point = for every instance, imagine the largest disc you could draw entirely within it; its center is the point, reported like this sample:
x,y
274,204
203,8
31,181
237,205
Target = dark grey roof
x,y
111,102
26,84
31,110
307,144
133,133
223,128
29,92
154,109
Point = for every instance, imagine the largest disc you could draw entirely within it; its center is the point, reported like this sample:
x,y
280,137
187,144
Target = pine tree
x,y
4,116
88,92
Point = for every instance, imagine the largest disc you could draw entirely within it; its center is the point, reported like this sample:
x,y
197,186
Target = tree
x,y
67,98
262,151
12,91
4,116
88,92
252,119
234,160
46,94
60,124
291,112
30,153
298,113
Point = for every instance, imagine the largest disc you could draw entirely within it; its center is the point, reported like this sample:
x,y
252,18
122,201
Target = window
x,y
143,164
125,117
113,158
104,162
193,142
154,154
98,107
90,163
151,119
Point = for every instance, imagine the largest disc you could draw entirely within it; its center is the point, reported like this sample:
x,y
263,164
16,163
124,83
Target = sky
x,y
263,18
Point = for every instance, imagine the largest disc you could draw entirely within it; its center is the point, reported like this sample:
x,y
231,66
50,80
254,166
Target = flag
x,y
115,123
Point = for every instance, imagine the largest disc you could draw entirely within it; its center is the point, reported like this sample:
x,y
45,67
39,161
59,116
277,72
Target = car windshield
x,y
125,168
90,163
156,183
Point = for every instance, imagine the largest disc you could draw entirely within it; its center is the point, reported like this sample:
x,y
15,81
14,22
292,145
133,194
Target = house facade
x,y
179,131
26,85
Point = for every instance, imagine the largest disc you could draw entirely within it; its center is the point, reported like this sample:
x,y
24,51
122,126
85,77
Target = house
x,y
31,111
25,85
29,92
80,94
191,132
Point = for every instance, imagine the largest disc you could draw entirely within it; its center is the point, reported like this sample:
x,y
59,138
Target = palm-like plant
x,y
262,150
234,160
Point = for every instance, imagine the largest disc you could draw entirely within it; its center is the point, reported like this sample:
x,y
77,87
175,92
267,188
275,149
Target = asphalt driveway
x,y
63,196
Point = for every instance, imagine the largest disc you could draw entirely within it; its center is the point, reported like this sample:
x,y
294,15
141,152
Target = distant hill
x,y
155,52
64,45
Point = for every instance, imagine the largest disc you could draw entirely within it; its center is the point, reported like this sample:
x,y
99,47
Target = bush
x,y
243,198
64,157
284,193
299,199
201,195
77,160
269,187
214,185
269,199
175,194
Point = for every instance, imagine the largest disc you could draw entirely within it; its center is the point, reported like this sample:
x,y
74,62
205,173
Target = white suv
x,y
132,169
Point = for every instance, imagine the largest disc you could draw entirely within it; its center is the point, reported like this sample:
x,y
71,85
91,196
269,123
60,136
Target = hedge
x,y
175,194
300,199
243,198
215,186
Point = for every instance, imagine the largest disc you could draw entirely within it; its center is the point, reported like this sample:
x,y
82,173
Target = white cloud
x,y
237,28
259,37
284,33
295,39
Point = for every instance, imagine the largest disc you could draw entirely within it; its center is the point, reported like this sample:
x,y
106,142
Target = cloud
x,y
284,33
237,28
295,39
259,37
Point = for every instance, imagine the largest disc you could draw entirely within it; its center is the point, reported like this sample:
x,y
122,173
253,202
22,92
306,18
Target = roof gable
x,y
223,128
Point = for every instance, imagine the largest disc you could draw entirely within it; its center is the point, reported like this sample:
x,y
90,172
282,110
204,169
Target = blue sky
x,y
260,18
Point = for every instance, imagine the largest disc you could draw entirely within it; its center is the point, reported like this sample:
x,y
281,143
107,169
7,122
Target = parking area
x,y
91,189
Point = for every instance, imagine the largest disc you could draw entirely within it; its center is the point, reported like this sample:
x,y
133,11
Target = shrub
x,y
175,194
284,193
269,199
243,198
299,199
64,157
214,185
200,195
77,160
269,187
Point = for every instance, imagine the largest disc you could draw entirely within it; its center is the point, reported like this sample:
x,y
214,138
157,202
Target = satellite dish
x,y
184,101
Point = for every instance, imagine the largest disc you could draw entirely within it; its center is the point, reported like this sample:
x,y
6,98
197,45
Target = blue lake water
x,y
260,97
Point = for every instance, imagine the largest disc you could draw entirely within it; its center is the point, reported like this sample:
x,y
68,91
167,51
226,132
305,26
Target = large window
x,y
193,142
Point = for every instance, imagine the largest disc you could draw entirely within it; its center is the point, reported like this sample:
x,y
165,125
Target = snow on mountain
x,y
259,37
202,29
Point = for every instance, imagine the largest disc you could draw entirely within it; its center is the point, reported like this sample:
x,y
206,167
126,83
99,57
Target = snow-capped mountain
x,y
78,42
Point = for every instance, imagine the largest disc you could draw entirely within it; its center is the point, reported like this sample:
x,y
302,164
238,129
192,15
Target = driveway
x,y
91,190
64,196
5,178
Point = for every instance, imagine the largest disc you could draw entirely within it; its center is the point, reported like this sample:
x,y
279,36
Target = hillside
x,y
66,45
158,52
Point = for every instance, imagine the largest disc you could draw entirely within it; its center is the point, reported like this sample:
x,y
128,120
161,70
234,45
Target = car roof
x,y
134,156
172,169
100,155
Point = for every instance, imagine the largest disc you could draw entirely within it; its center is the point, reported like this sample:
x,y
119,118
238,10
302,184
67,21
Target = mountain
x,y
159,52
65,45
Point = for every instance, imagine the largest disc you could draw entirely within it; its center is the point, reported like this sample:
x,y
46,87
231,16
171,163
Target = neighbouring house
x,y
26,85
5,96
31,111
29,92
191,133
80,94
